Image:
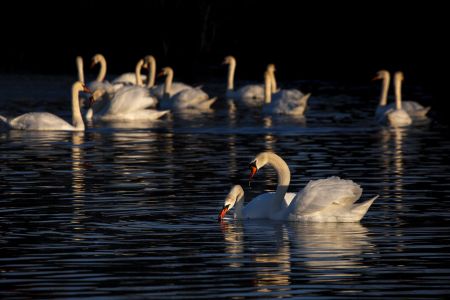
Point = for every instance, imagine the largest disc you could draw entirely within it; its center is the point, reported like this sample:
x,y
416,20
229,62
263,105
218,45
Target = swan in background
x,y
130,103
79,62
251,95
382,105
413,108
187,99
396,116
324,200
286,102
48,121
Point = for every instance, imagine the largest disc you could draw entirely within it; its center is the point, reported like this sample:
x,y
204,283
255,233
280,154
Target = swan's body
x,y
324,200
251,95
187,99
48,121
286,102
393,116
412,108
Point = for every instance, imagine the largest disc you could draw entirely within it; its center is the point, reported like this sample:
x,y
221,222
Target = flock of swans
x,y
127,98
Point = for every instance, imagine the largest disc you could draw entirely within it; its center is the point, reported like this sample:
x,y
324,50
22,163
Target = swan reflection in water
x,y
78,185
326,251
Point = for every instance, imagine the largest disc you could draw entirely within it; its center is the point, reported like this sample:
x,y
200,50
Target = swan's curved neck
x,y
273,82
151,72
77,119
80,69
267,88
137,72
231,70
398,92
284,177
384,89
102,73
239,206
168,82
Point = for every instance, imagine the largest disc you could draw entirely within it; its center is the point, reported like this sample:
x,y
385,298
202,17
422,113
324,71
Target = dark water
x,y
118,212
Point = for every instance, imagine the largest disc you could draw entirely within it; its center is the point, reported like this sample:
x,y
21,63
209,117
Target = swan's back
x,y
39,121
195,99
397,118
176,87
128,78
129,99
329,200
288,102
261,206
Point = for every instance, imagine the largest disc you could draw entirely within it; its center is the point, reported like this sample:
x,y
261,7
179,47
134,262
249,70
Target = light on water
x,y
131,211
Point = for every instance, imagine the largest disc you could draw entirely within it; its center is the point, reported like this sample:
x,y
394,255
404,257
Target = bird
x,y
324,200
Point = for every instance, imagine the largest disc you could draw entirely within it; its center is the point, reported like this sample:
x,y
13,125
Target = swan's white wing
x,y
253,91
128,78
129,99
289,102
192,99
261,206
141,115
414,109
326,195
40,121
158,91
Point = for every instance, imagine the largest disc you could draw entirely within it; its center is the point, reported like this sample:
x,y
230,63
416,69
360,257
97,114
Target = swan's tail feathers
x,y
359,210
207,104
4,125
3,119
162,113
424,111
305,98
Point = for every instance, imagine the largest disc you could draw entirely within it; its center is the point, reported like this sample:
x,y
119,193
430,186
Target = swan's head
x,y
95,96
381,75
97,58
260,161
229,60
235,195
399,76
165,71
271,68
148,60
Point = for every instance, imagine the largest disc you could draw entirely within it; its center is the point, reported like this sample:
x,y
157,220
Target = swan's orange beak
x,y
93,63
376,78
86,89
253,170
160,74
223,213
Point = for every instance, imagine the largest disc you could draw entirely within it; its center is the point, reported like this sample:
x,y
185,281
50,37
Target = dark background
x,y
306,40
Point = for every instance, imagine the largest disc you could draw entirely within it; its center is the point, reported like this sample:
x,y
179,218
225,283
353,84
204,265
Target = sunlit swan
x,y
286,102
126,100
130,103
187,99
324,200
413,108
48,121
395,116
251,95
79,62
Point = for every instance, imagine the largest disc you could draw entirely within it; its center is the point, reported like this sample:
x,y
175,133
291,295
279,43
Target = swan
x,y
286,102
251,95
324,200
395,116
48,121
413,108
130,103
187,99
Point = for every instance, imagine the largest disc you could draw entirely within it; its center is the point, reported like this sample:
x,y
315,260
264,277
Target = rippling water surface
x,y
129,211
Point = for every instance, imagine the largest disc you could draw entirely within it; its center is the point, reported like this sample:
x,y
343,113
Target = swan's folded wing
x,y
331,194
39,121
129,99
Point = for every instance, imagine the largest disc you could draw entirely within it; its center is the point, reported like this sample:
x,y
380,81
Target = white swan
x,y
413,108
324,200
130,103
48,121
395,116
251,95
286,102
185,100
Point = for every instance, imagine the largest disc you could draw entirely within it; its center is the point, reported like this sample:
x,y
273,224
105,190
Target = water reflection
x,y
328,250
78,182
